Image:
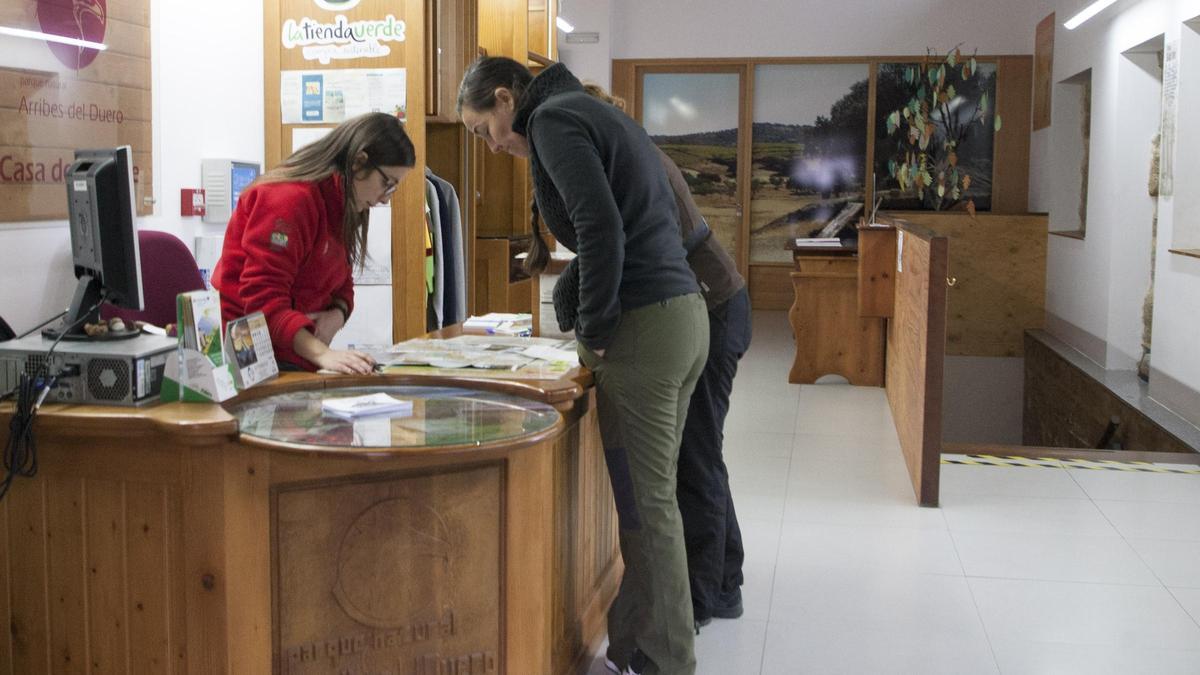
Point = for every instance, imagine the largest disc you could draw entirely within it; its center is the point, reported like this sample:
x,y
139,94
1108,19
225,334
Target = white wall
x,y
1177,282
1137,112
688,29
206,70
589,61
1095,286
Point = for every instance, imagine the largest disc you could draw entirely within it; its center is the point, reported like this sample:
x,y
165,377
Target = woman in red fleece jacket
x,y
299,230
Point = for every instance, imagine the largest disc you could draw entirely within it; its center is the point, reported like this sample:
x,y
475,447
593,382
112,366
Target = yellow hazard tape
x,y
994,460
1048,462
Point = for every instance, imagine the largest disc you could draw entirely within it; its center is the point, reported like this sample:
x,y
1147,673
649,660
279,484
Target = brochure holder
x,y
200,372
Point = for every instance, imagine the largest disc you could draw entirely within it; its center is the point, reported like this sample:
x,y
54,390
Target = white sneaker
x,y
612,667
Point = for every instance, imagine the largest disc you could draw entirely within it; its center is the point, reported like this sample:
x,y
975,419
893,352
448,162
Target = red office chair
x,y
168,269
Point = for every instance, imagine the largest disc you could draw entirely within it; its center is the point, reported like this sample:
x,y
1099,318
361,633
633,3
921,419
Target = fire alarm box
x,y
191,202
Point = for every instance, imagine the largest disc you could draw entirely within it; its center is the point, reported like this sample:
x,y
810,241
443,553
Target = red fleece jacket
x,y
283,255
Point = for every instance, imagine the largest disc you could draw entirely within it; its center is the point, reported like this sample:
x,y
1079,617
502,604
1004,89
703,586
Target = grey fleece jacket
x,y
603,193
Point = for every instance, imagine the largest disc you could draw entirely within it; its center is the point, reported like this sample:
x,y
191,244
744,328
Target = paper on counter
x,y
550,354
369,404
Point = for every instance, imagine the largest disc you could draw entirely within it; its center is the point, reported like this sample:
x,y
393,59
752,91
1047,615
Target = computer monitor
x,y
104,249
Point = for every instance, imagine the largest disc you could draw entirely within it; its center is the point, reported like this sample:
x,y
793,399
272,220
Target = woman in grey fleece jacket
x,y
642,329
710,527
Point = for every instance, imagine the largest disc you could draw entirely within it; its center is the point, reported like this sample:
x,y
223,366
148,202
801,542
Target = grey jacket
x,y
602,192
715,269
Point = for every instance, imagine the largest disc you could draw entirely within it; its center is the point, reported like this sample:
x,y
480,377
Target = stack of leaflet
x,y
818,241
349,407
497,323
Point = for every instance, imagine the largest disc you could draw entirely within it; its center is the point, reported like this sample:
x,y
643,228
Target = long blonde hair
x,y
597,91
381,137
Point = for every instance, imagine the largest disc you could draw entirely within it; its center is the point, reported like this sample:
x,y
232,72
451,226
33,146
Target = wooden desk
x,y
830,336
163,540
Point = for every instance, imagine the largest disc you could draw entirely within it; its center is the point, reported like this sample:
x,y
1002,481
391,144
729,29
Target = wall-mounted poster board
x,y
326,61
334,96
56,98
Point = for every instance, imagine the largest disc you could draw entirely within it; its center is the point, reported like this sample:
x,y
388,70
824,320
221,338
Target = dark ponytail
x,y
539,253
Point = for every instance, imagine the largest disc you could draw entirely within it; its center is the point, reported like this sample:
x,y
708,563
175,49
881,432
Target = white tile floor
x,y
1021,570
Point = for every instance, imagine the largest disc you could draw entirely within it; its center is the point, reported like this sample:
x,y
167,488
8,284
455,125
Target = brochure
x,y
484,356
248,342
367,404
200,371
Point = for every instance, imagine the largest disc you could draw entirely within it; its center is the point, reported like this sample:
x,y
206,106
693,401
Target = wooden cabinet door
x,y
451,36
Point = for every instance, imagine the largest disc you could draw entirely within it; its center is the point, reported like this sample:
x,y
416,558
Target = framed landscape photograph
x,y
809,151
693,118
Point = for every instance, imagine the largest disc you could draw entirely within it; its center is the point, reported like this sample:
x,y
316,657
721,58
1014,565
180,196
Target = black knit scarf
x,y
554,80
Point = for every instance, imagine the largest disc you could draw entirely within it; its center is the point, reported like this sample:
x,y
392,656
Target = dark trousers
x,y
710,527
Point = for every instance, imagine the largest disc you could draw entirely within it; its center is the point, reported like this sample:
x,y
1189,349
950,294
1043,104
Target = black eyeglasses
x,y
389,183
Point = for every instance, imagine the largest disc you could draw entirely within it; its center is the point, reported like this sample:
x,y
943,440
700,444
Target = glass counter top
x,y
440,417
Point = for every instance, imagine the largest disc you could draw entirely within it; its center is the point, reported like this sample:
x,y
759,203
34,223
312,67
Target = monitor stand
x,y
85,309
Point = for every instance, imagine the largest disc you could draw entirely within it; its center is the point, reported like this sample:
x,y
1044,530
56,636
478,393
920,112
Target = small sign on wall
x,y
323,41
61,97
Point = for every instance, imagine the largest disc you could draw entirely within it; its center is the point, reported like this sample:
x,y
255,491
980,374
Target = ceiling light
x,y
563,25
36,35
1088,12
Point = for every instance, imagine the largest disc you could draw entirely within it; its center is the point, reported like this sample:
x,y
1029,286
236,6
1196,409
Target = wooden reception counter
x,y
476,535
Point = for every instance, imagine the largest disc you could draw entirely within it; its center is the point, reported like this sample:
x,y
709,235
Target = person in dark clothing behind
x,y
642,329
710,526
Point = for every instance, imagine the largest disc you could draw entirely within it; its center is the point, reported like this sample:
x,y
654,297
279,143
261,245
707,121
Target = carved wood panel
x,y
400,575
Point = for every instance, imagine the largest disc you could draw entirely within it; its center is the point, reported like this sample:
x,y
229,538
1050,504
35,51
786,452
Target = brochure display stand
x,y
211,367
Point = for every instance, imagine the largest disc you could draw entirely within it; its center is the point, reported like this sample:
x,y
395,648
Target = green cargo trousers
x,y
644,382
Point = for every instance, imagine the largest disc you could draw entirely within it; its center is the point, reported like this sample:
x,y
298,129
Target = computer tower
x,y
119,372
